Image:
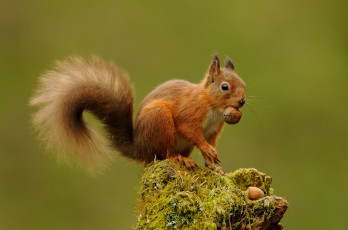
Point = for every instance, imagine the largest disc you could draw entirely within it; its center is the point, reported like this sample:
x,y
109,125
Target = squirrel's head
x,y
224,86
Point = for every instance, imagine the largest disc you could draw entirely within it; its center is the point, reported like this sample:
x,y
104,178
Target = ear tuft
x,y
214,68
216,58
229,64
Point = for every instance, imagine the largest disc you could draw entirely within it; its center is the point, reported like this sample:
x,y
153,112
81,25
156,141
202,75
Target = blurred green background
x,y
293,56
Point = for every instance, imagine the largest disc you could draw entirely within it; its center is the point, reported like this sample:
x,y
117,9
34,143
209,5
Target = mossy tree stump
x,y
172,197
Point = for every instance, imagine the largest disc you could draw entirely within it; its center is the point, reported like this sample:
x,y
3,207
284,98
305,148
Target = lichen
x,y
173,197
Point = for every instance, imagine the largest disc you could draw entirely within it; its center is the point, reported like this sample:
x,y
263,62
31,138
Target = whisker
x,y
261,101
255,97
254,112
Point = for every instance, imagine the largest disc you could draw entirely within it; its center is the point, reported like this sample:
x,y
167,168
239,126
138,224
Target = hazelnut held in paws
x,y
173,119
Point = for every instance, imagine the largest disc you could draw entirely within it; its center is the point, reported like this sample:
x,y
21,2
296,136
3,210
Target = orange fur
x,y
172,119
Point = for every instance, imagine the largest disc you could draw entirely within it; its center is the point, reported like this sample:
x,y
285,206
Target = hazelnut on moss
x,y
255,193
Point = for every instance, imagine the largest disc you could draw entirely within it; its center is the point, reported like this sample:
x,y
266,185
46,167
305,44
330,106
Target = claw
x,y
189,163
212,153
214,168
217,160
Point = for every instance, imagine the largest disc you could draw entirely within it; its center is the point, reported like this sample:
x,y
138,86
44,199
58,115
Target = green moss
x,y
172,197
244,178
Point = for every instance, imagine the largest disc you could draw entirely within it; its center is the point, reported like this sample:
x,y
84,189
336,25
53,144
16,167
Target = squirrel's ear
x,y
214,68
229,64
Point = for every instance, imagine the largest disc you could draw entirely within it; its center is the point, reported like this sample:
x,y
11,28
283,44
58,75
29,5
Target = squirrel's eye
x,y
224,87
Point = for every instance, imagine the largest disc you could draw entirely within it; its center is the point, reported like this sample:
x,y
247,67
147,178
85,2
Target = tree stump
x,y
173,197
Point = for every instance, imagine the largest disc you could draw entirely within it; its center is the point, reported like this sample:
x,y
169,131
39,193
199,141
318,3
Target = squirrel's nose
x,y
241,102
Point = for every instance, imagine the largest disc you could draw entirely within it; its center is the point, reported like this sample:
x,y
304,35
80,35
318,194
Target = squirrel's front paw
x,y
211,153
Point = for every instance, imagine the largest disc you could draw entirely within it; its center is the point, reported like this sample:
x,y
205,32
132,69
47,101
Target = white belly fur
x,y
212,122
211,125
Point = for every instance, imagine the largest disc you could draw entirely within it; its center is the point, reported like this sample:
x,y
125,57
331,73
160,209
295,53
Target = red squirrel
x,y
172,119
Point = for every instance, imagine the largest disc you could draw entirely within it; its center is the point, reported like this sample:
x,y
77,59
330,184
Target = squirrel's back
x,y
76,85
171,90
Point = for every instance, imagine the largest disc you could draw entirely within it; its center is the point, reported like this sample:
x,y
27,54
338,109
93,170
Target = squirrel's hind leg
x,y
188,162
155,132
181,156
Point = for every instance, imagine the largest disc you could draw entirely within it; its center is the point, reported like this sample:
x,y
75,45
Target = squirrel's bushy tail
x,y
76,85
